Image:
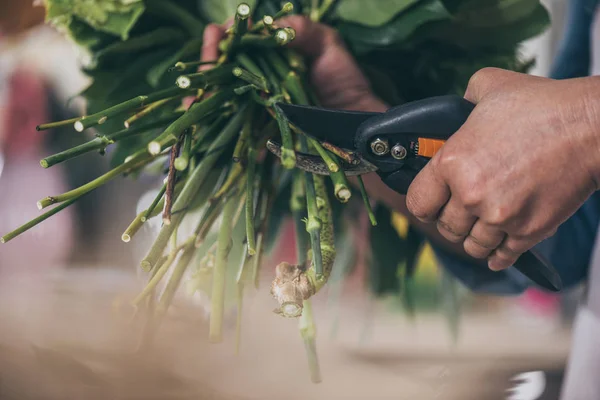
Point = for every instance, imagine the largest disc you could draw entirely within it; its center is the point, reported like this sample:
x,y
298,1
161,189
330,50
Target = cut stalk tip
x,y
243,10
181,164
79,127
291,310
288,7
154,148
146,265
184,82
125,238
268,20
44,163
343,194
282,37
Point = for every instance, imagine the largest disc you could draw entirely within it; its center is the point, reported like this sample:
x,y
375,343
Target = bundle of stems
x,y
215,158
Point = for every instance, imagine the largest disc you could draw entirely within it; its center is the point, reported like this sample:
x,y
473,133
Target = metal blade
x,y
337,127
315,164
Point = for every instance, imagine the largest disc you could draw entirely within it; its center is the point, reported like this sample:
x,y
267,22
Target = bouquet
x,y
142,58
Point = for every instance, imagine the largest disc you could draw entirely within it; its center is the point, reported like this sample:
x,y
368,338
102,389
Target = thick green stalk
x,y
149,110
298,208
308,331
139,101
247,63
11,235
250,185
195,113
240,24
193,184
313,223
133,228
220,272
101,142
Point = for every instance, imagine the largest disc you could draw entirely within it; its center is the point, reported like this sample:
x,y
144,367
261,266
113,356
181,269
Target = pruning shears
x,y
396,145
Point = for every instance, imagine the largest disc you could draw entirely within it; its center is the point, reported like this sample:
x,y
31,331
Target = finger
x,y
427,194
483,240
455,222
210,44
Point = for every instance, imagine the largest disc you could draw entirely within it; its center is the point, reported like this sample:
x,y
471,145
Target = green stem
x,y
192,186
288,156
195,113
102,142
325,7
152,108
365,198
259,81
133,228
182,162
131,104
220,272
250,184
308,331
9,236
57,124
240,25
248,64
183,66
96,183
313,224
314,10
218,75
298,208
157,276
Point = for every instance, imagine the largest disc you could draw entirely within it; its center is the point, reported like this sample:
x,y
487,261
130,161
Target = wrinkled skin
x,y
524,162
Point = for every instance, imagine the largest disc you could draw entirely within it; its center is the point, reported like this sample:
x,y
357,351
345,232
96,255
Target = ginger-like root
x,y
290,288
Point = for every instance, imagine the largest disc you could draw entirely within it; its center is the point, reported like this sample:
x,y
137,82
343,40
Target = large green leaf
x,y
116,17
220,11
493,13
377,13
364,39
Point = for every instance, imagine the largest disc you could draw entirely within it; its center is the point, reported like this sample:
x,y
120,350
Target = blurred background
x,y
368,348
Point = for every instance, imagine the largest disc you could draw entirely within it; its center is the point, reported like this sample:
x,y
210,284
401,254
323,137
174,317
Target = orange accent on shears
x,y
428,147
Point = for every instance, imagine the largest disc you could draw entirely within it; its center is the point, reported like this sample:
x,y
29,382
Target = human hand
x,y
337,79
522,164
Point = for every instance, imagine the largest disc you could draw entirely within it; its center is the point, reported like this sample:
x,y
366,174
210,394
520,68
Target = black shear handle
x,y
434,118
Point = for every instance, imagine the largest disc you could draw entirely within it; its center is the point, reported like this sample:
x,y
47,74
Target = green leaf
x,y
495,12
116,17
220,11
376,13
364,39
156,38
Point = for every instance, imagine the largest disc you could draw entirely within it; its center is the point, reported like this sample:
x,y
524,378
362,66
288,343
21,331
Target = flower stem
x,y
171,177
247,63
195,113
101,142
288,156
308,331
183,66
313,224
181,163
131,104
152,108
298,208
9,236
347,156
157,276
218,75
240,24
192,186
220,272
57,124
259,81
250,185
365,198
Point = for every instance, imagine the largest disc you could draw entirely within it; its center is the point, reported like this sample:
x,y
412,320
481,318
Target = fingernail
x,y
494,266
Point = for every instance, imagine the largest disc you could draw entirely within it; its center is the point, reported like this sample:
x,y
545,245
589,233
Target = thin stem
x,y
298,208
218,75
9,236
314,10
131,104
253,79
288,156
247,63
150,109
313,224
220,272
365,198
96,183
195,113
347,156
58,124
308,331
181,163
133,228
183,66
192,186
101,142
325,7
240,24
250,231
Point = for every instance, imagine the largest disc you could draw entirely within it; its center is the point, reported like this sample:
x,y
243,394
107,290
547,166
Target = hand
x,y
339,82
526,159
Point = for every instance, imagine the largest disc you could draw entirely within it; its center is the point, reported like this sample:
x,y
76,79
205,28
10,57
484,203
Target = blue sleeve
x,y
569,250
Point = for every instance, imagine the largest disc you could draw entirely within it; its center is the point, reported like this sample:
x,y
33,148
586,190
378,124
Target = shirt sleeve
x,y
569,250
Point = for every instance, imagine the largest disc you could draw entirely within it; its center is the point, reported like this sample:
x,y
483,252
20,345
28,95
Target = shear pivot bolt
x,y
399,152
380,147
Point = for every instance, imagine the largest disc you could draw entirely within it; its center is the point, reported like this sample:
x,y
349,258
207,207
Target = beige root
x,y
290,288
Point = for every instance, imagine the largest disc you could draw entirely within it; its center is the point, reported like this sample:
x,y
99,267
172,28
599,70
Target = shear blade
x,y
314,164
337,127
